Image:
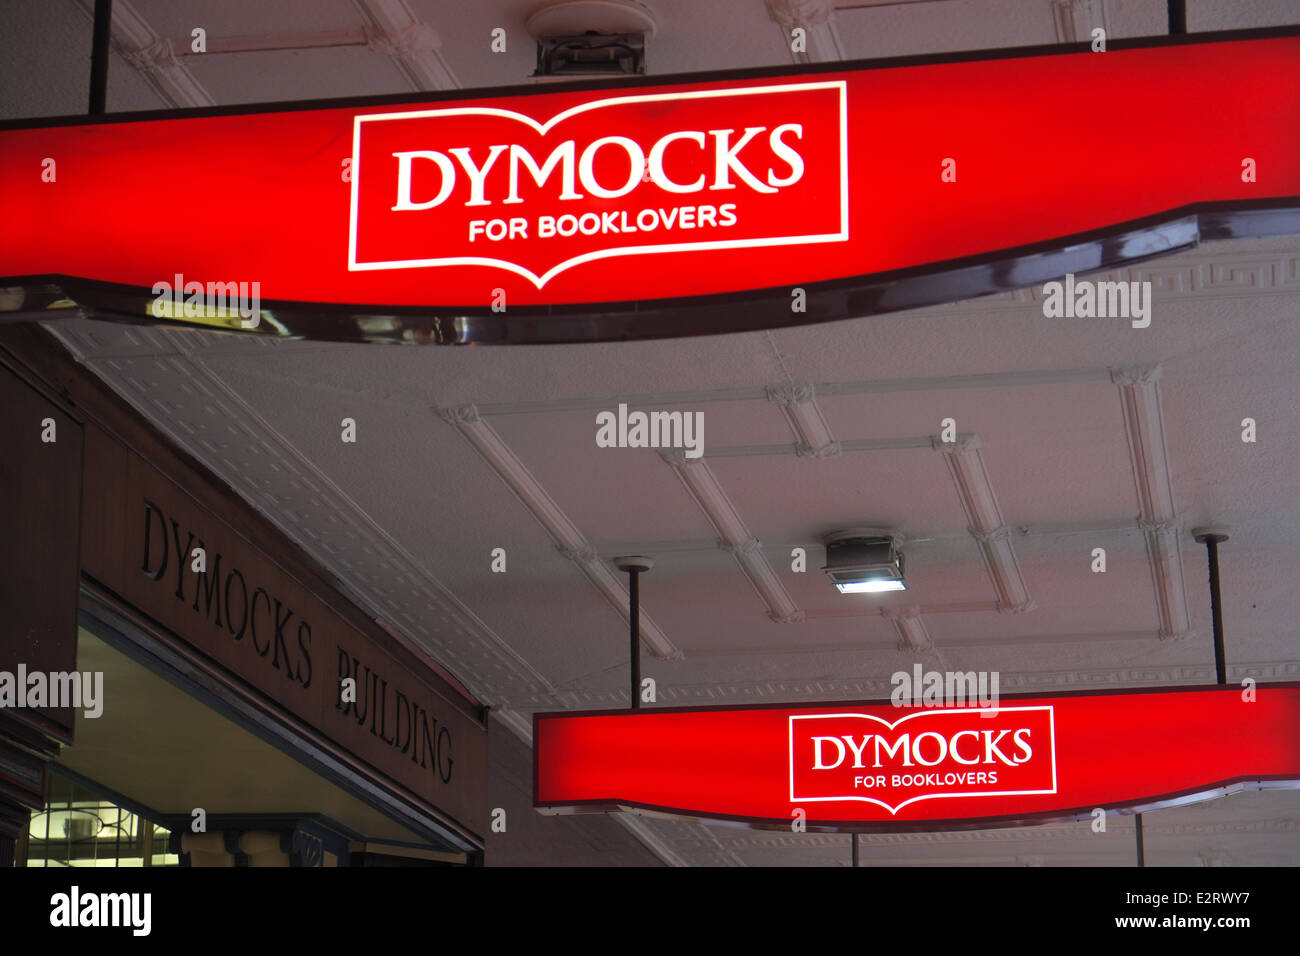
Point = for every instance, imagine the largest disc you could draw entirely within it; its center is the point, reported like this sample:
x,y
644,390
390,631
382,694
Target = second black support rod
x,y
1177,17
99,53
635,566
1211,536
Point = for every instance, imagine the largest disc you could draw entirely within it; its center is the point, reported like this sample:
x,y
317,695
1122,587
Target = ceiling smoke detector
x,y
865,561
591,37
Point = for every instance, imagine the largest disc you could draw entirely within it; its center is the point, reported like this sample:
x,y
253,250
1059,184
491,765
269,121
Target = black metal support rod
x,y
634,595
1212,536
1216,610
1142,858
99,52
635,566
855,849
1177,17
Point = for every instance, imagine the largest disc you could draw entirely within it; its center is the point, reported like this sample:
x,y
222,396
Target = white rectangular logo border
x,y
540,281
1051,721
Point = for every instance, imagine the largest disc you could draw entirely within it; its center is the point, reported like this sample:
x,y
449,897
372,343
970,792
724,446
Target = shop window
x,y
80,828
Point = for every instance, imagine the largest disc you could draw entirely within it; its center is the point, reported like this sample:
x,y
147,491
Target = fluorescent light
x,y
871,587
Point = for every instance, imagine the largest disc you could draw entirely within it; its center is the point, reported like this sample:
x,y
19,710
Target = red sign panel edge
x,y
1139,803
754,309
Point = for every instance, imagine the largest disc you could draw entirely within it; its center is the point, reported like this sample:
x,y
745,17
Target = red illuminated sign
x,y
653,206
875,766
615,176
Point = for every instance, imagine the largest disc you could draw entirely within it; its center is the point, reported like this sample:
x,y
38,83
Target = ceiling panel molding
x,y
912,633
831,449
1076,19
689,840
812,433
642,829
966,466
734,537
413,45
1208,274
610,585
1105,526
1139,388
151,56
821,689
958,644
816,18
928,383
1164,554
272,42
569,541
584,403
867,610
1144,428
521,725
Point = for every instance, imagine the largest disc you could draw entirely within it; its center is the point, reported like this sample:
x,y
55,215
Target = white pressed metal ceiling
x,y
463,451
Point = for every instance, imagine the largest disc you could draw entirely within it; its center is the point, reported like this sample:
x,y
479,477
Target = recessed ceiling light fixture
x,y
865,561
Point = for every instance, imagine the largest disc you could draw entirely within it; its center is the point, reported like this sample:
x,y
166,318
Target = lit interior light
x,y
870,587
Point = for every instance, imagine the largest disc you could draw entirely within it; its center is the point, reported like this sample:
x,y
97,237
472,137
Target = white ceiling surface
x,y
407,517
